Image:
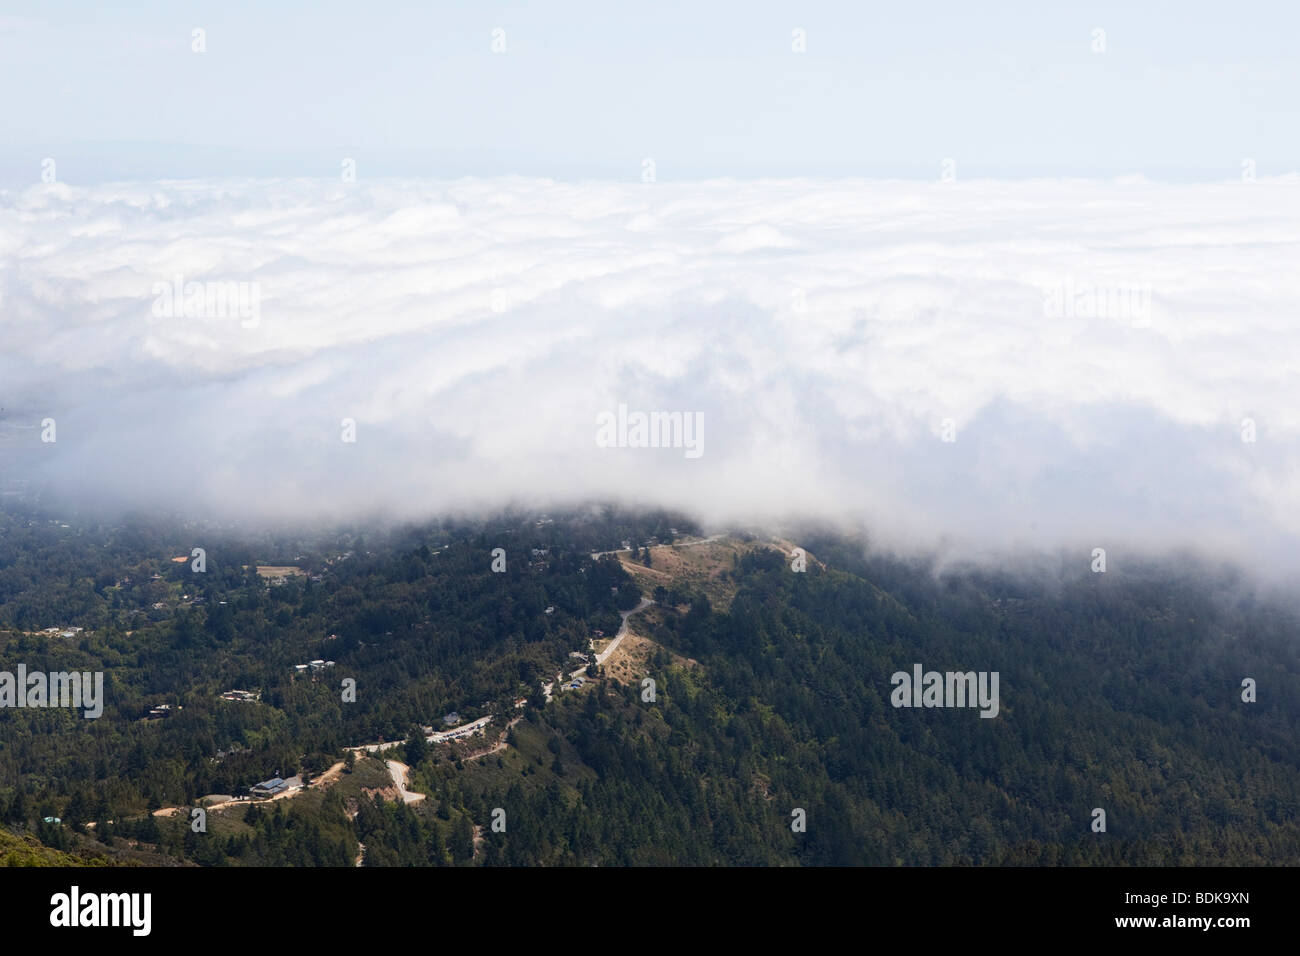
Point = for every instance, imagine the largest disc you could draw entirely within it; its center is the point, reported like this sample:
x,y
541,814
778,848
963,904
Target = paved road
x,y
676,544
439,737
618,639
464,730
622,631
398,771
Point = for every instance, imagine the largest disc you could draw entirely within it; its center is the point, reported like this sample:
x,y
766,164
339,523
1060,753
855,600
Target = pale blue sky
x,y
1185,90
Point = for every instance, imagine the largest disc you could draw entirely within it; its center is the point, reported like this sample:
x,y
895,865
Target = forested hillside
x,y
768,735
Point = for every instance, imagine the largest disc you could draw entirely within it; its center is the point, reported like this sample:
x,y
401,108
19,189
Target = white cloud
x,y
475,329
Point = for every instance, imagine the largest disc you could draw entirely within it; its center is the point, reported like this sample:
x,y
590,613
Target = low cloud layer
x,y
978,366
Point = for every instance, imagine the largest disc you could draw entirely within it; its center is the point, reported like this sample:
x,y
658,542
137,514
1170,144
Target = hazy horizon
x,y
979,283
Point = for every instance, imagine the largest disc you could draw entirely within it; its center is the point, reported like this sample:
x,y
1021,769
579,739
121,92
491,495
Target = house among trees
x,y
316,665
268,788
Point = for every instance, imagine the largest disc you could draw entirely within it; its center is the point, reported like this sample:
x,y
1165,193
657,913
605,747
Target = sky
x,y
1180,91
951,276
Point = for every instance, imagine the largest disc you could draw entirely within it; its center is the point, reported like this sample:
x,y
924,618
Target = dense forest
x,y
768,738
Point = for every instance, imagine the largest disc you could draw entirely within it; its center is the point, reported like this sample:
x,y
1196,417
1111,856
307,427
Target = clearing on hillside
x,y
700,565
278,571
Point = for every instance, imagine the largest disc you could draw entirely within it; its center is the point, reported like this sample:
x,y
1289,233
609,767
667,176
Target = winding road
x,y
622,631
398,771
612,646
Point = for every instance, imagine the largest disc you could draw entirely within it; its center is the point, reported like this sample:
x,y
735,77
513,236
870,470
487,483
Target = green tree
x,y
462,840
417,747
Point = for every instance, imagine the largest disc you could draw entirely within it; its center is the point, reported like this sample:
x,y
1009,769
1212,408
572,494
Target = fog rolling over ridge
x,y
980,367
